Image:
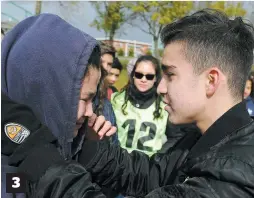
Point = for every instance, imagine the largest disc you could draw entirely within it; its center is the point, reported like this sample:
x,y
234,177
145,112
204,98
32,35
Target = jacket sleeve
x,y
133,174
47,173
176,132
39,145
202,187
64,180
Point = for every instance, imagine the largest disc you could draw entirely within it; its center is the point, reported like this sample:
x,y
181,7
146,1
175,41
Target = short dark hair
x,y
117,64
211,38
95,58
94,61
107,49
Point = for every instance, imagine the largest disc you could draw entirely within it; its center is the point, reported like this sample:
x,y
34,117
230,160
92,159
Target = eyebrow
x,y
89,95
166,67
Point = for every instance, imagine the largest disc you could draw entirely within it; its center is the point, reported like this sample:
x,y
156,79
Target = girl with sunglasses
x,y
140,115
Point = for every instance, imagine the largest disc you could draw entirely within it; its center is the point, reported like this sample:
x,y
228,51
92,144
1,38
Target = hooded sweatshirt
x,y
43,62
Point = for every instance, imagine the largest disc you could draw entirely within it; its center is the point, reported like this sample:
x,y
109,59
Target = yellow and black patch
x,y
16,132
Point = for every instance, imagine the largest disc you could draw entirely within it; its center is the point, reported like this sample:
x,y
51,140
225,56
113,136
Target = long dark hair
x,y
156,64
102,92
95,62
250,78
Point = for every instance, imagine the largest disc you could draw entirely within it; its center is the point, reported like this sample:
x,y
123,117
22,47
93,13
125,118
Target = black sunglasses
x,y
140,76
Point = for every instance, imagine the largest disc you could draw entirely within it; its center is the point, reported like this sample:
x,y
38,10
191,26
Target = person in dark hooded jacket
x,y
35,151
54,69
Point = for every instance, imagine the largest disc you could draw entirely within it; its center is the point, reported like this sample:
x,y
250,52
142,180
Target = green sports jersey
x,y
138,130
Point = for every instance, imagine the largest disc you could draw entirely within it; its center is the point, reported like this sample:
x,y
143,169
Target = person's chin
x,y
168,109
142,89
172,117
177,120
174,120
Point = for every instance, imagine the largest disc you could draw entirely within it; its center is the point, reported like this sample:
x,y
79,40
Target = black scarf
x,y
142,100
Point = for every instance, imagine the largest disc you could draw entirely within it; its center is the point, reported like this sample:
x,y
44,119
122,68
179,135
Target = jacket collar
x,y
232,120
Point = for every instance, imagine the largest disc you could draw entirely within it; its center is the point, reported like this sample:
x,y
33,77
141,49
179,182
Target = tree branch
x,y
160,28
148,32
151,29
143,30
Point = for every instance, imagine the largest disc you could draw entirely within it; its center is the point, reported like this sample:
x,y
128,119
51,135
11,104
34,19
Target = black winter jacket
x,y
218,164
47,173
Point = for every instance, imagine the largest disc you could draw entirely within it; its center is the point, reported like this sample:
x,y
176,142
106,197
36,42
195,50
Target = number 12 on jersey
x,y
143,127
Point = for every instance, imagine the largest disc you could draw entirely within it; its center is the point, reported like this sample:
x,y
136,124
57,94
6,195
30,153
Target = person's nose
x,y
162,87
89,110
143,79
114,79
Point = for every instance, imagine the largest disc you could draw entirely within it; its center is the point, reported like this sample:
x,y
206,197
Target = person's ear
x,y
212,81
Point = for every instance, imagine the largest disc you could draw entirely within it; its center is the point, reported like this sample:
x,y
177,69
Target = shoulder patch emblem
x,y
16,132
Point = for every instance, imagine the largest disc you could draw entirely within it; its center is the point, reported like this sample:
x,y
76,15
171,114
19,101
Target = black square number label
x,y
15,183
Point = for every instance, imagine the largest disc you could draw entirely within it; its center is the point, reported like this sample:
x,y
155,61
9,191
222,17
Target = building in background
x,y
126,45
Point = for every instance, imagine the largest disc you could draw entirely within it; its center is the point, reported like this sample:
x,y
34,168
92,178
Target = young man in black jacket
x,y
206,61
204,52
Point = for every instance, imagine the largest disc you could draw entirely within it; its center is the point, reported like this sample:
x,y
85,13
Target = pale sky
x,y
81,16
